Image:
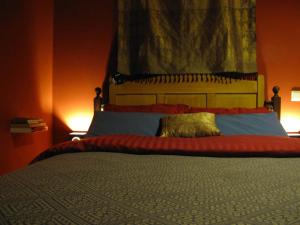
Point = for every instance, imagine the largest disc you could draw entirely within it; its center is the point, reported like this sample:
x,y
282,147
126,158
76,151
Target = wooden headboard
x,y
194,90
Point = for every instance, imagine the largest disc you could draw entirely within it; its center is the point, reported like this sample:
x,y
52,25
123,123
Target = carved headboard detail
x,y
194,90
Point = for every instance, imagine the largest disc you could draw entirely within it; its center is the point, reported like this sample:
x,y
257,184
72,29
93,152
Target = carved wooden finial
x,y
276,100
98,91
276,90
98,99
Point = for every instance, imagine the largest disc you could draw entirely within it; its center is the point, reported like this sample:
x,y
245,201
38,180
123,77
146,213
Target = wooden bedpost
x,y
98,99
275,103
276,100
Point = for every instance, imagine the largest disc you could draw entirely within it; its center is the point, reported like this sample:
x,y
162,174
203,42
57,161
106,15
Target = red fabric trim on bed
x,y
243,145
229,111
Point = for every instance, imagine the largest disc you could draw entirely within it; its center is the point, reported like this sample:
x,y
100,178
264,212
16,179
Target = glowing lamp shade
x,y
79,122
295,94
290,123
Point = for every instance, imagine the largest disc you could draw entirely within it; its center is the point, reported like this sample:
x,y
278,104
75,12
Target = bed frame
x,y
196,90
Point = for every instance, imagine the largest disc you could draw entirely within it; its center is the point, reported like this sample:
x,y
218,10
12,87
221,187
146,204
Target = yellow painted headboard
x,y
194,90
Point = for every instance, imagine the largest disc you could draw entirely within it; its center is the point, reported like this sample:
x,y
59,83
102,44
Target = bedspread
x,y
117,188
121,188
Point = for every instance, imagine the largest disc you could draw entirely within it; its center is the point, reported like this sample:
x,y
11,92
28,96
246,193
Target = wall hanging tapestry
x,y
186,36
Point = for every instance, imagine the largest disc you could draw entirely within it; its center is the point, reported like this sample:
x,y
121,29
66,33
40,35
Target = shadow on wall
x,y
22,139
62,130
261,66
111,69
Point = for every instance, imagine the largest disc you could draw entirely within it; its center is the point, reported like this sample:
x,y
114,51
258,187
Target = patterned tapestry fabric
x,y
180,36
189,125
117,188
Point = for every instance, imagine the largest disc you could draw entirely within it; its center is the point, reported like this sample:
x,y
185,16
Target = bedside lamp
x,y
293,122
79,125
295,94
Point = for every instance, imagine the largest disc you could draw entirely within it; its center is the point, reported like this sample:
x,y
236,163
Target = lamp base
x,y
294,134
77,135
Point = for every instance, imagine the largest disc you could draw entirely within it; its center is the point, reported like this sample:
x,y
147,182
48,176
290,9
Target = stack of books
x,y
27,125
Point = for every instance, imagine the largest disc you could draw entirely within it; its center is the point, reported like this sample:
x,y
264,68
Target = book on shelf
x,y
23,120
27,129
27,125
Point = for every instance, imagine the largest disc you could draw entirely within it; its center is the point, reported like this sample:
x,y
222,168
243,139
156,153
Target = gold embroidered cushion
x,y
189,125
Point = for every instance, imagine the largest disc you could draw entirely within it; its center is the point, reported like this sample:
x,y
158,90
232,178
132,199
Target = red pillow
x,y
158,108
254,110
229,111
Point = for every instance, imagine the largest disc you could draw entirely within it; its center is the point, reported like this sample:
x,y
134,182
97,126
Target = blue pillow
x,y
105,123
252,124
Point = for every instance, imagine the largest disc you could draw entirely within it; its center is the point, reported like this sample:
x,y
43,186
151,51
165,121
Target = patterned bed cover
x,y
119,188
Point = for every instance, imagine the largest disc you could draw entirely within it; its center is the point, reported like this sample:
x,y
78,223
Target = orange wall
x,y
82,40
26,77
278,52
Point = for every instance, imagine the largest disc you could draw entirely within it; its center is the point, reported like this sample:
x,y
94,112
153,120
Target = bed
x,y
127,178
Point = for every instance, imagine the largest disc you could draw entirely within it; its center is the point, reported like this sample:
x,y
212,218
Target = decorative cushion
x,y
158,108
189,125
105,123
250,124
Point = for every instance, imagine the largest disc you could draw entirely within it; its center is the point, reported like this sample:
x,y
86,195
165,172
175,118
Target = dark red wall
x,y
26,77
83,37
278,52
